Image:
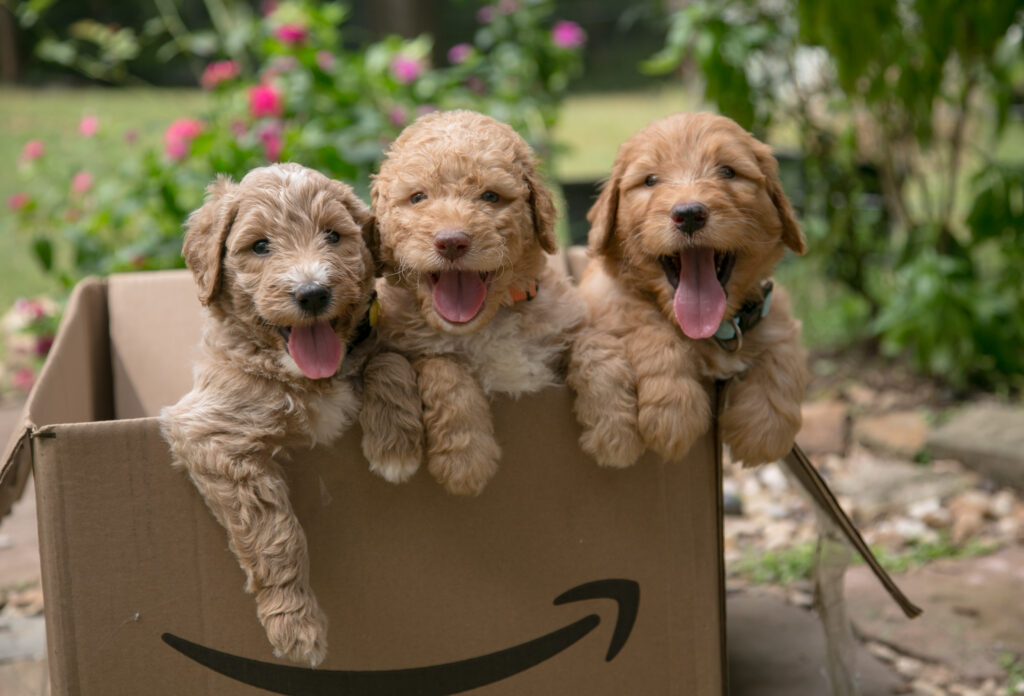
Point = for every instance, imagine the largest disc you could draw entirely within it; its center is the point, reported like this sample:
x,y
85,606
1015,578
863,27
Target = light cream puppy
x,y
685,236
281,262
467,293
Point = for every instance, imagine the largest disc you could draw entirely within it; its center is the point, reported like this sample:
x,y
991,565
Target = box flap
x,y
155,325
74,385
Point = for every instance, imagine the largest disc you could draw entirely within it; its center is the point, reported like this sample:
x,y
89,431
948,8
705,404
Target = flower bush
x,y
295,93
27,329
305,97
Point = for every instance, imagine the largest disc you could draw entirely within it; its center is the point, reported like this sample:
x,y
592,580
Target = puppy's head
x,y
462,217
282,256
695,217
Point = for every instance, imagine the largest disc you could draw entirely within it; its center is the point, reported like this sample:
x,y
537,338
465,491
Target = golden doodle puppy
x,y
281,263
467,293
684,237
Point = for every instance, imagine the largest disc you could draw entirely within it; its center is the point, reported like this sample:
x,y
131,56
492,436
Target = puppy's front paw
x,y
466,470
299,635
672,415
396,469
614,441
759,437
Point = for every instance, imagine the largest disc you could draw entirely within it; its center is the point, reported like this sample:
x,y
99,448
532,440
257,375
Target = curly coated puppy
x,y
281,262
685,236
464,222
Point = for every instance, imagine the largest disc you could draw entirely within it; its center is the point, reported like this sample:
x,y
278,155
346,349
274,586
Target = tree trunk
x,y
8,46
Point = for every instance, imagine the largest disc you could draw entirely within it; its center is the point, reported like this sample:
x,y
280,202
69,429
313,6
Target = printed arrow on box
x,y
433,680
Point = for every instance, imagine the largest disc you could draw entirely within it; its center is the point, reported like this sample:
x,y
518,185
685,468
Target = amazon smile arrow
x,y
433,680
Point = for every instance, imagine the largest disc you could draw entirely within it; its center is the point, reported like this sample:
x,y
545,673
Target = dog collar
x,y
370,319
729,336
519,295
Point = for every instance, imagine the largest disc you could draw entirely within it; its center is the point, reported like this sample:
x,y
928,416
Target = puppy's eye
x,y
261,247
651,180
490,197
417,197
332,236
727,172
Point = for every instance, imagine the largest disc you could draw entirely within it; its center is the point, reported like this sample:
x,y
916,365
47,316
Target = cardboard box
x,y
410,576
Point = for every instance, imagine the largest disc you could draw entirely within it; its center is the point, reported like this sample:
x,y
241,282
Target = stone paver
x,y
24,678
19,554
825,427
973,611
900,433
989,438
777,649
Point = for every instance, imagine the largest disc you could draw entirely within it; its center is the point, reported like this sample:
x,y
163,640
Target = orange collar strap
x,y
520,294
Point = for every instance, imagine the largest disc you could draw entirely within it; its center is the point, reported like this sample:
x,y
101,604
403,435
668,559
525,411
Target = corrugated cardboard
x,y
409,576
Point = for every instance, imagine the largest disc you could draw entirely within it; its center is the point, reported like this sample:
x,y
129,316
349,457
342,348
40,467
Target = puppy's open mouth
x,y
459,295
699,276
315,348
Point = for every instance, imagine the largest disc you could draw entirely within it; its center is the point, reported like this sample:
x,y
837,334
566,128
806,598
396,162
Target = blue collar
x,y
729,336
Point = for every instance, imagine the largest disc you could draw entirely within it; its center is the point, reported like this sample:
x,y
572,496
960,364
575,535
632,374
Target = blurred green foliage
x,y
897,108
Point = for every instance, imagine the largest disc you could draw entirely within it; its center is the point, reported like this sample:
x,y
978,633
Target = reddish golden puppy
x,y
465,224
685,236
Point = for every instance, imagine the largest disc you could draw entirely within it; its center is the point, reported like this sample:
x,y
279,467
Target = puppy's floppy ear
x,y
602,214
362,216
791,234
208,229
543,207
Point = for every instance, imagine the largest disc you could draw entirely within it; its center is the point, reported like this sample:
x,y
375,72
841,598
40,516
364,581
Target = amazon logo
x,y
432,680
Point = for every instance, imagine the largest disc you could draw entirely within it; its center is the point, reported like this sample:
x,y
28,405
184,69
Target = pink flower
x,y
18,201
179,136
43,345
485,15
291,33
238,128
398,116
326,60
476,85
81,182
566,34
268,7
265,100
217,72
459,53
88,126
507,7
406,70
278,66
23,379
33,149
272,141
425,109
130,136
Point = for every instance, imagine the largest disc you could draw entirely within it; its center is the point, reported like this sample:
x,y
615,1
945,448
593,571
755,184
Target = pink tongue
x,y
700,300
459,295
315,349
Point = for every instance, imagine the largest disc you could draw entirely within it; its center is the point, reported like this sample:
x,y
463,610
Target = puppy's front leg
x,y
600,374
246,491
392,417
762,415
462,453
673,408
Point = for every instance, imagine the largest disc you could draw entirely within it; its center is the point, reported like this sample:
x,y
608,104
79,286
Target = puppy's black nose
x,y
312,297
452,244
689,217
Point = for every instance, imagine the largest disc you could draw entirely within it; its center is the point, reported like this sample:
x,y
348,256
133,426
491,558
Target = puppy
x,y
684,238
464,223
281,263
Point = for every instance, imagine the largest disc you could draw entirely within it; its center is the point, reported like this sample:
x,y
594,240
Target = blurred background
x,y
899,126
